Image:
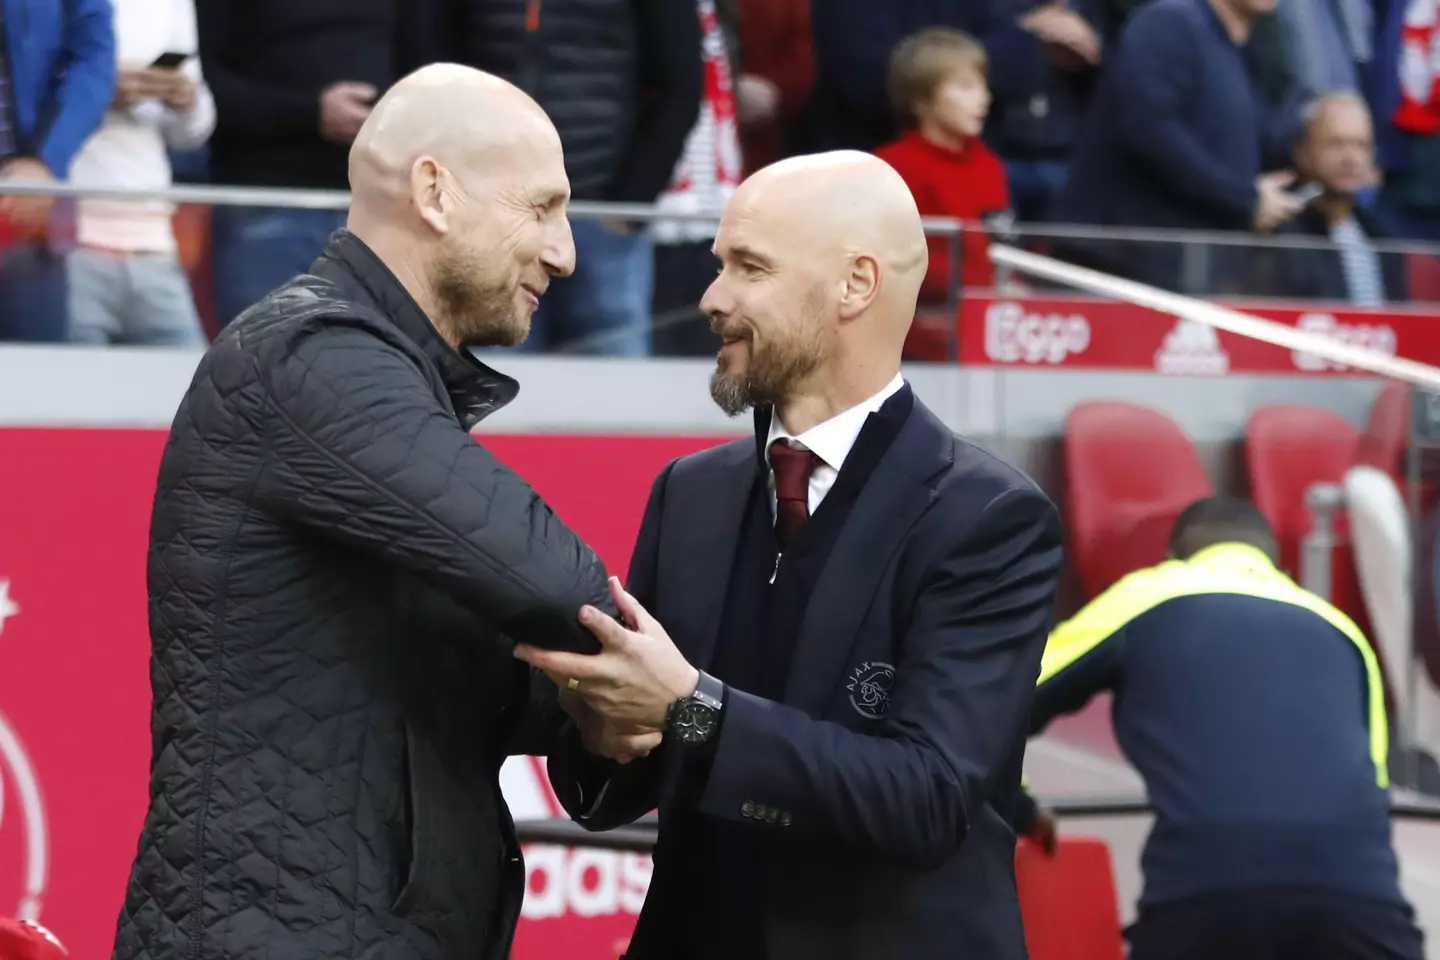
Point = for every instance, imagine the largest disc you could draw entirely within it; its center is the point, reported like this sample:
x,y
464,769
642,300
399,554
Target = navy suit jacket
x,y
884,778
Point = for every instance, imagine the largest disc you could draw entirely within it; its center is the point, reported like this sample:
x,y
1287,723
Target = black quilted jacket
x,y
335,565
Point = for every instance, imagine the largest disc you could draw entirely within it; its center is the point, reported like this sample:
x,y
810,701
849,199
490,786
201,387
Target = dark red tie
x,y
792,467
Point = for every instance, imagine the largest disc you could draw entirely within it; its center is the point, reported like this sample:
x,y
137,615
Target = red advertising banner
x,y
1043,332
75,689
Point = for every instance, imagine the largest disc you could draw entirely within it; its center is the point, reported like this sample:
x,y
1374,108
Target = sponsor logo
x,y
869,686
1378,337
1014,336
1192,349
22,811
564,882
561,882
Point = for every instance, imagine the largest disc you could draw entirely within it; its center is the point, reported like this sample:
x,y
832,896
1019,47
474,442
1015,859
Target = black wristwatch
x,y
692,721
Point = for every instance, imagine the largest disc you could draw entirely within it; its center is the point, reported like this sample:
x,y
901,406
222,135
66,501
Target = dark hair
x,y
1222,520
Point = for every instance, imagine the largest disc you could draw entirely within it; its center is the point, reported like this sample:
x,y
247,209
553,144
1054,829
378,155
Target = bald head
x,y
823,260
841,208
458,184
463,119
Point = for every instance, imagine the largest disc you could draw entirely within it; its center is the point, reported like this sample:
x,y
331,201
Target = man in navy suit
x,y
832,718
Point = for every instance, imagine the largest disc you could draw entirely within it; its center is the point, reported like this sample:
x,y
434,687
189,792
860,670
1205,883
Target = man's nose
x,y
559,253
716,302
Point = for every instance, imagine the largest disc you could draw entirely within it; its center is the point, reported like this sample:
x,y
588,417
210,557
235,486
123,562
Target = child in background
x,y
938,87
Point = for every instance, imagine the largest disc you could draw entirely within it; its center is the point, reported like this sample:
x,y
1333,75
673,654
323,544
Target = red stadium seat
x,y
1068,902
1288,449
1383,443
1130,471
1424,277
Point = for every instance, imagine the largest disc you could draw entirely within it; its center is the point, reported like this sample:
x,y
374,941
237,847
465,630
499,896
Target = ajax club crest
x,y
869,687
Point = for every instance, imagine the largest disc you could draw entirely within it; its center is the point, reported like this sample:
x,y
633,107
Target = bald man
x,y
835,627
338,571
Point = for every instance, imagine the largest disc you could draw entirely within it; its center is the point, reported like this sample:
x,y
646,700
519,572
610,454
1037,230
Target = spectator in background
x,y
293,81
1034,130
1329,41
1337,153
938,88
57,75
777,74
1174,137
1272,834
1407,114
854,40
126,282
622,80
706,177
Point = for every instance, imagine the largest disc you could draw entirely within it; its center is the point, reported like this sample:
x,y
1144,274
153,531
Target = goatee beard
x,y
732,394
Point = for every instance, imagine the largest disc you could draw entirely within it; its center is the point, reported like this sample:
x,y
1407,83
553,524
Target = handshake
x,y
620,696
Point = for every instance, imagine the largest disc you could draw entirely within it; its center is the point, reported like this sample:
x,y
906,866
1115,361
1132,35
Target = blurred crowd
x,y
1316,119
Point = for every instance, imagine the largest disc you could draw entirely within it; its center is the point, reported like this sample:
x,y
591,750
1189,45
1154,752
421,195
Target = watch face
x,y
693,722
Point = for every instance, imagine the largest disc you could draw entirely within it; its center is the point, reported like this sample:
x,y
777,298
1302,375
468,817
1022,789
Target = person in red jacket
x,y
938,87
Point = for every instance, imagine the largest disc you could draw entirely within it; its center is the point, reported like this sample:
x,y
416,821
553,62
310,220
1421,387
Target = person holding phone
x,y
127,284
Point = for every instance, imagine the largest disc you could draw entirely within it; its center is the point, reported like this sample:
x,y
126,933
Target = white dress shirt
x,y
129,147
831,441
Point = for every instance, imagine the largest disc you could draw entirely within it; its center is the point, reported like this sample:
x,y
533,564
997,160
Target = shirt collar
x,y
831,441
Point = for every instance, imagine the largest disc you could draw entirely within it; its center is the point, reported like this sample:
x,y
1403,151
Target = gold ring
x,y
572,684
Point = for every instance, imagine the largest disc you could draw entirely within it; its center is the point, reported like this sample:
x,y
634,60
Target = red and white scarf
x,y
1419,110
709,169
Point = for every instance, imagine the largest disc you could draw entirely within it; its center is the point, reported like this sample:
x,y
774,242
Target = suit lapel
x,y
704,529
893,498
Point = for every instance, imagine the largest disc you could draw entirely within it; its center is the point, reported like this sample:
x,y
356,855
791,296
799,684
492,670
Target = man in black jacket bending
x,y
337,570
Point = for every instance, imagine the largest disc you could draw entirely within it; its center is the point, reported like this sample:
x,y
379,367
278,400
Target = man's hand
x,y
1061,27
1045,832
29,215
171,87
757,99
607,738
636,675
1273,206
343,108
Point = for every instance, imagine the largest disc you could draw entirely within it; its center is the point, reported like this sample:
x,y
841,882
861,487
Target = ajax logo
x,y
869,687
24,839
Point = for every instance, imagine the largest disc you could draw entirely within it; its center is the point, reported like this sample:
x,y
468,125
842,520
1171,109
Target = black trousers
x,y
1276,925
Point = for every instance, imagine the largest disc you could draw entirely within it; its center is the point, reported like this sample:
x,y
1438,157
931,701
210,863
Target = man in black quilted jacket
x,y
338,571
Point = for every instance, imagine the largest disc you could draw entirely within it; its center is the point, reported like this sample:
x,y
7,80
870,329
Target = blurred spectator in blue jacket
x,y
1407,128
1175,137
1034,130
57,75
1024,41
1329,41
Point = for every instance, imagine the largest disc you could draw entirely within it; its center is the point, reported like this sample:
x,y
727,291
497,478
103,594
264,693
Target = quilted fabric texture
x,y
335,570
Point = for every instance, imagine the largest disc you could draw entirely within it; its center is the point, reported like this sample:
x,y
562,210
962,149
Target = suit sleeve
x,y
964,682
360,452
600,794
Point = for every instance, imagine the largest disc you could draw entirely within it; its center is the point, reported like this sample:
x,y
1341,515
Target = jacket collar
x,y
475,389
